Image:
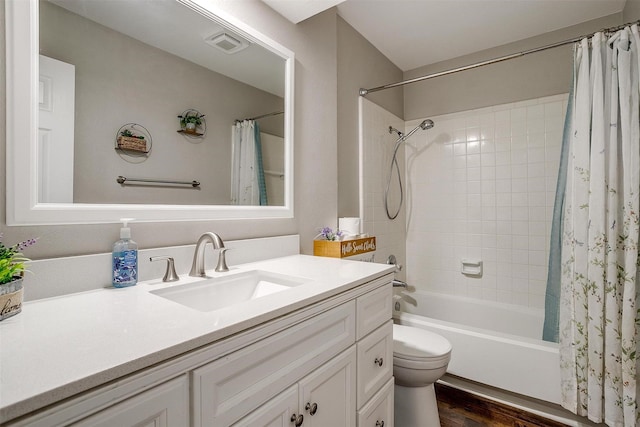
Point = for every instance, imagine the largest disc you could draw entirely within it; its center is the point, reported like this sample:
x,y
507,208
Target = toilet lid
x,y
415,343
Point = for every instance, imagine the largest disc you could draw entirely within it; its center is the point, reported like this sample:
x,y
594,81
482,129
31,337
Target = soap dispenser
x,y
125,258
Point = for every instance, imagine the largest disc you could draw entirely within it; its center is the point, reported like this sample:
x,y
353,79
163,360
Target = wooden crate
x,y
344,248
130,143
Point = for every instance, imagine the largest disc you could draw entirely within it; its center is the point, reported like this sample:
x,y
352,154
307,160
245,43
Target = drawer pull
x,y
379,423
298,420
312,408
379,361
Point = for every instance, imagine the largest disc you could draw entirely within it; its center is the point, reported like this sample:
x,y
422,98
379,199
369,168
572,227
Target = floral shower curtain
x,y
599,283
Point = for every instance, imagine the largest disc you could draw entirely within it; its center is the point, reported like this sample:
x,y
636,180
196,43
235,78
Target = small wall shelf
x,y
133,142
194,134
200,125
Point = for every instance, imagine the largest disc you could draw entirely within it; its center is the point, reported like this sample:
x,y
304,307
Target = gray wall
x,y
314,42
130,81
531,76
360,65
631,11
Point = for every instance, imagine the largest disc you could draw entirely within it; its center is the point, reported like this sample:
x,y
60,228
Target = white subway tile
x,y
473,160
473,146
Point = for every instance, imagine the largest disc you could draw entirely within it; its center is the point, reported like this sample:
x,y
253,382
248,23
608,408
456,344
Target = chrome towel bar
x,y
124,180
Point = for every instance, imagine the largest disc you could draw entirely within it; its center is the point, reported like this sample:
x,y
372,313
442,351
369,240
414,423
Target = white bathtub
x,y
493,344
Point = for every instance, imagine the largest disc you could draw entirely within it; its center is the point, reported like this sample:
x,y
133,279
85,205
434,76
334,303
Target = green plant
x,y
12,262
128,133
191,117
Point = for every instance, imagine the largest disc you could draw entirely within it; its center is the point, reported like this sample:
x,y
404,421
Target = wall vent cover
x,y
227,43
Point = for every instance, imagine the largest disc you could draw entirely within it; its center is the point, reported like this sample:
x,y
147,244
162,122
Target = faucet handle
x,y
170,274
222,261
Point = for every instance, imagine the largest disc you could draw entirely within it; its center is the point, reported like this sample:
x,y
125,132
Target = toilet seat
x,y
416,348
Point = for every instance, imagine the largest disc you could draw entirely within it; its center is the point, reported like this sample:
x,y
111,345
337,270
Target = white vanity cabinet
x,y
326,364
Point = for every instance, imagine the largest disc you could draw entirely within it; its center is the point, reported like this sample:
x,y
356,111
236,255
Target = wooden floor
x,y
461,409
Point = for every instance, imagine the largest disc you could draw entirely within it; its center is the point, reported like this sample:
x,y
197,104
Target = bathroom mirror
x,y
137,66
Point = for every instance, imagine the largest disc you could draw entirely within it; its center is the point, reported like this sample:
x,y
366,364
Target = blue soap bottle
x,y
125,258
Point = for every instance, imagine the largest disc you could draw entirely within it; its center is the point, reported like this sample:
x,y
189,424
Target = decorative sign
x,y
344,248
10,304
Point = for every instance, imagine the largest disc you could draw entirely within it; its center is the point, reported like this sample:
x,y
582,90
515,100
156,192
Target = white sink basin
x,y
219,292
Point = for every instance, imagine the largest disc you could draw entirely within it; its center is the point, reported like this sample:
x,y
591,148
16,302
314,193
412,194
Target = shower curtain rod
x,y
365,92
261,117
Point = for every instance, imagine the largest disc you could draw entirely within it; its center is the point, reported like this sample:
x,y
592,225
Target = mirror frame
x,y
22,48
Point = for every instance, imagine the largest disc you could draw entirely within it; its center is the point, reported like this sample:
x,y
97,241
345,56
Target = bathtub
x,y
493,344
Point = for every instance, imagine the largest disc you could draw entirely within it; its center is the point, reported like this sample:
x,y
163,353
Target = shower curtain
x,y
599,281
248,185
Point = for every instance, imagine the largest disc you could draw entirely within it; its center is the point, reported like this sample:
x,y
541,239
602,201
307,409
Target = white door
x,y
56,131
328,394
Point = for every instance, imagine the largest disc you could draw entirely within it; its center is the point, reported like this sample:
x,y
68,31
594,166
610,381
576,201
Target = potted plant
x,y
12,267
191,120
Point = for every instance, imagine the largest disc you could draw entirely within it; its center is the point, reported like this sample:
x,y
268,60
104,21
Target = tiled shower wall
x,y
481,186
376,147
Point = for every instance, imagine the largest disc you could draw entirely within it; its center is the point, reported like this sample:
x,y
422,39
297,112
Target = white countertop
x,y
58,347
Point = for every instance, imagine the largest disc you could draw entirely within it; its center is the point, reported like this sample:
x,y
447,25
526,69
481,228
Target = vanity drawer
x,y
378,412
164,405
375,362
373,309
229,388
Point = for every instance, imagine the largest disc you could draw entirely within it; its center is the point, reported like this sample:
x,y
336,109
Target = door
x,y
56,131
327,395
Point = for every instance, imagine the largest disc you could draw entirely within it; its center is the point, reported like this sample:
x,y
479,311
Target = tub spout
x,y
399,284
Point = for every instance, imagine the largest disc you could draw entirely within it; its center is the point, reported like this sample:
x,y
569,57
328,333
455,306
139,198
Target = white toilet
x,y
420,358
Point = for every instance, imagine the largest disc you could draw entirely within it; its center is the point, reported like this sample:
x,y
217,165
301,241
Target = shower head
x,y
424,125
427,124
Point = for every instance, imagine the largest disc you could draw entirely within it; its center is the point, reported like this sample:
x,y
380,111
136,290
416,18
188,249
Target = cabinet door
x,y
327,395
163,406
275,413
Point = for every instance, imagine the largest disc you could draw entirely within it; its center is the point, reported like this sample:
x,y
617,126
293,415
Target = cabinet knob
x,y
297,420
379,423
312,408
379,361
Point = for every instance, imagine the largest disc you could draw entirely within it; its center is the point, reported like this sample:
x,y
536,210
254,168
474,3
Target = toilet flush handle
x,y
379,361
379,423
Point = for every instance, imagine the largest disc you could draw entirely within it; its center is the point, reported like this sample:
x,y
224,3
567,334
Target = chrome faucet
x,y
197,267
400,284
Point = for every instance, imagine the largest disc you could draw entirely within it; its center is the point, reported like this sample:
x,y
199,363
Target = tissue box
x,y
344,248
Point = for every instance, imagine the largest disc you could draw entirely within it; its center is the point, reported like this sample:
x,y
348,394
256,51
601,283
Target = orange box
x,y
344,248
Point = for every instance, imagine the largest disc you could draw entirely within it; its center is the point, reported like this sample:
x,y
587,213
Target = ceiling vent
x,y
227,43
